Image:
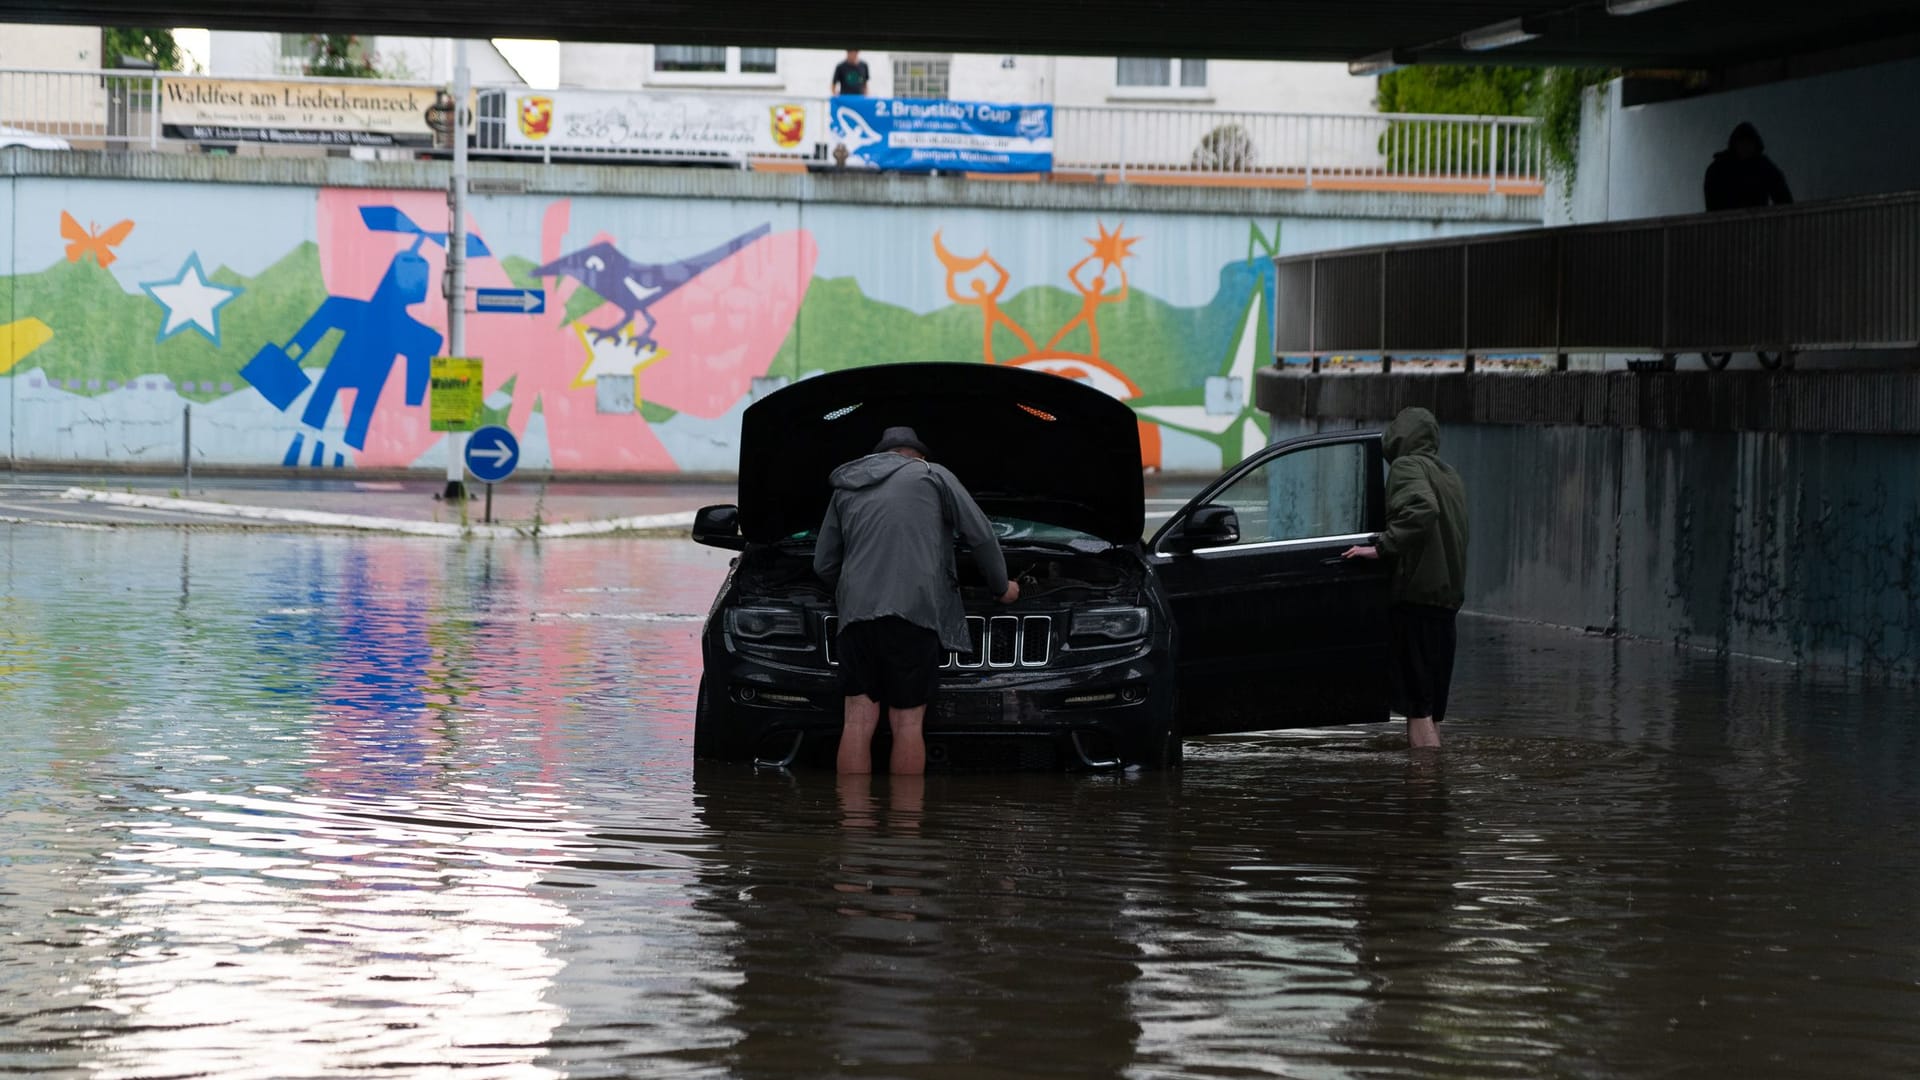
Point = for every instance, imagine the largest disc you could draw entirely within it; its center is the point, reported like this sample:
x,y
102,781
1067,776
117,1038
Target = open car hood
x,y
1025,443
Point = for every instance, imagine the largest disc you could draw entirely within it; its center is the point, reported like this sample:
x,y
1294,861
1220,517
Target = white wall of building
x,y
49,48
1234,85
1849,133
233,53
1239,85
241,53
800,72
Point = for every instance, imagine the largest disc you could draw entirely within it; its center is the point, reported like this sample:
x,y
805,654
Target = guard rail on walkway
x,y
1457,154
1837,275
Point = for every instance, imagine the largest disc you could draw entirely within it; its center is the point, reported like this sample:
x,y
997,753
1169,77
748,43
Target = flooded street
x,y
287,806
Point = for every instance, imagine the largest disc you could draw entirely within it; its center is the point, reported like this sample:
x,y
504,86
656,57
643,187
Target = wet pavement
x,y
47,497
308,805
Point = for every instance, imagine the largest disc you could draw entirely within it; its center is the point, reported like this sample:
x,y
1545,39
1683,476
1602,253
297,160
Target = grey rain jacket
x,y
886,546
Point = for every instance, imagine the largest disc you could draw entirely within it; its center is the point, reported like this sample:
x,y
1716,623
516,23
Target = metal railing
x,y
86,108
1306,149
1836,275
92,109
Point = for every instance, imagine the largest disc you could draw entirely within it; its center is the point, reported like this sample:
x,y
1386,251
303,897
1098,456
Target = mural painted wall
x,y
298,323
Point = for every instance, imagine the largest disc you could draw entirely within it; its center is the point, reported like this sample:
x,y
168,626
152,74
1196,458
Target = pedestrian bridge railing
x,y
1838,275
1116,144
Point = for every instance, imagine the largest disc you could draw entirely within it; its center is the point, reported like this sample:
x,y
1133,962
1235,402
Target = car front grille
x,y
995,642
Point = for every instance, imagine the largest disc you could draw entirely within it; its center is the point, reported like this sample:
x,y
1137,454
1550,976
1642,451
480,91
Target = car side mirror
x,y
1208,526
718,526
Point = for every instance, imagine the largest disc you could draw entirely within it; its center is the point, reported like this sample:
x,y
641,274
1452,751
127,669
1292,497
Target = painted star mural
x,y
191,301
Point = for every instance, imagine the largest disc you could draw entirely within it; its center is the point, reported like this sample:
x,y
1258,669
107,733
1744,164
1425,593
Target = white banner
x,y
640,122
358,113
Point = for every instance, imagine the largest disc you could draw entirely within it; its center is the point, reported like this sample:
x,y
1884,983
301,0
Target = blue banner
x,y
963,136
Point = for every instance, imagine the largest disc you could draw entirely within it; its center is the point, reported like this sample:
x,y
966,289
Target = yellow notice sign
x,y
458,390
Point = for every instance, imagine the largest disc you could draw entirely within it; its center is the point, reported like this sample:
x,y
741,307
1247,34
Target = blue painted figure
x,y
372,333
634,287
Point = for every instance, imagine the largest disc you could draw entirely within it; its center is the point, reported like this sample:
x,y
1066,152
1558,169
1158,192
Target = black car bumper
x,y
1087,716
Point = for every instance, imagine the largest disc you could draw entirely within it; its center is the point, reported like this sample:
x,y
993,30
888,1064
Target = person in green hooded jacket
x,y
1426,540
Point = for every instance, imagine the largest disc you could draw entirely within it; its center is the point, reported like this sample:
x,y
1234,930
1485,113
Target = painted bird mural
x,y
635,287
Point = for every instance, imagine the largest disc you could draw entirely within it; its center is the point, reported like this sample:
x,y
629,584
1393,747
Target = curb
x,y
321,519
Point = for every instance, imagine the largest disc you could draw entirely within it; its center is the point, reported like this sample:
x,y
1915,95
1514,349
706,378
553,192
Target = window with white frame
x,y
717,60
295,51
1151,72
918,75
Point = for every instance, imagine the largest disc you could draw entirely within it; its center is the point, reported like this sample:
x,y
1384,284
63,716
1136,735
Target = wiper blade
x,y
1086,546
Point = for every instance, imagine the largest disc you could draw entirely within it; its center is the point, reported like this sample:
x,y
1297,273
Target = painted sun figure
x,y
1112,248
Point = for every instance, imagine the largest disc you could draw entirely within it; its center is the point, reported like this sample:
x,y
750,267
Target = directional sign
x,y
518,301
492,453
458,384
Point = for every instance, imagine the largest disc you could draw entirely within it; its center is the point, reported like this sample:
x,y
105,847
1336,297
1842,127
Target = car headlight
x,y
770,625
1114,624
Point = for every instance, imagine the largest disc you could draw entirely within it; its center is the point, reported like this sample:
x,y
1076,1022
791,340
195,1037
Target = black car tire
x,y
706,736
1161,748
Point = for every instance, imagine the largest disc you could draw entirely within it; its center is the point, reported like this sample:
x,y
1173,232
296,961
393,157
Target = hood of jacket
x,y
868,471
1414,431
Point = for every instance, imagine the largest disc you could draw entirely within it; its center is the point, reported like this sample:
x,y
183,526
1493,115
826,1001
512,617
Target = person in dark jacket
x,y
1426,540
1742,176
886,549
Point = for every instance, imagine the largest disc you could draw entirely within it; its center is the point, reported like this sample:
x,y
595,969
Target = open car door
x,y
1275,629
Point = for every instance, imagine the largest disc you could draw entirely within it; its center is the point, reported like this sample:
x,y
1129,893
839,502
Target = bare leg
x,y
1423,733
856,735
909,748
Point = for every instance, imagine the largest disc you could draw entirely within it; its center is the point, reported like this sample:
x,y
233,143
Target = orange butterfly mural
x,y
92,240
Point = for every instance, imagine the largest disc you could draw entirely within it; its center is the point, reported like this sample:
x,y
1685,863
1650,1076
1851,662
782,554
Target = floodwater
x,y
287,806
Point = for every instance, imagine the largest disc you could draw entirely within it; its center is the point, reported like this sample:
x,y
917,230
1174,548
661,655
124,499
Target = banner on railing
x,y
964,136
644,123
297,113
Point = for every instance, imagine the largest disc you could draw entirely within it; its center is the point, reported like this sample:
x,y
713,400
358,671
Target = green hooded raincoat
x,y
1426,534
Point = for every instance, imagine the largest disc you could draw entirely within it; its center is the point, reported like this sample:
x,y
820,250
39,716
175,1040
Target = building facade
x,y
1168,82
241,53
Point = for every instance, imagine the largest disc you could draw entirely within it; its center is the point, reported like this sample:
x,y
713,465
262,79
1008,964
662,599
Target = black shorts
x,y
1422,642
890,660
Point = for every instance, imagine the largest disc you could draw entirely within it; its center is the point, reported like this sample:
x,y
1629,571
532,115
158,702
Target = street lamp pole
x,y
456,278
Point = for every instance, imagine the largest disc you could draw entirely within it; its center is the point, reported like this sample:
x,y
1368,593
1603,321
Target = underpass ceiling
x,y
1702,34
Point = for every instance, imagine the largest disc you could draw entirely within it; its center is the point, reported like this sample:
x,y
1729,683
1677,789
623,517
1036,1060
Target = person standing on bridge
x,y
851,76
1426,540
1742,177
886,549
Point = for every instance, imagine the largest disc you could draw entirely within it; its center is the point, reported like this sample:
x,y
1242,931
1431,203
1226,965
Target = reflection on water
x,y
304,806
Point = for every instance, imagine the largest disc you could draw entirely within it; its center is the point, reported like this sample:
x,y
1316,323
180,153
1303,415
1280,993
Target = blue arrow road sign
x,y
492,452
517,301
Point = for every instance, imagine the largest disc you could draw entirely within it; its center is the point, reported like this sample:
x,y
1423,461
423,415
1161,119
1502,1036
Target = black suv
x,y
1238,614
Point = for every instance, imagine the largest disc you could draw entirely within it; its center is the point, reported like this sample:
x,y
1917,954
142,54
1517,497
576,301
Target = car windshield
x,y
1010,530
1014,530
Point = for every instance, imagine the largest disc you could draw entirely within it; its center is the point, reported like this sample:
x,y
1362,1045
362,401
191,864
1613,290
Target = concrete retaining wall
x,y
294,304
1745,530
